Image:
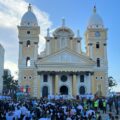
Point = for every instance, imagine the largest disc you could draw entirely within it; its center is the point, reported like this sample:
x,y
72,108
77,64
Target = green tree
x,y
10,85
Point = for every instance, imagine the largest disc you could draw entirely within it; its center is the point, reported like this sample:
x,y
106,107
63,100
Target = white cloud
x,y
9,65
116,88
11,12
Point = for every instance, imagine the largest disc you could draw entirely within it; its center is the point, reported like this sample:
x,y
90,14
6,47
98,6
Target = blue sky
x,y
50,13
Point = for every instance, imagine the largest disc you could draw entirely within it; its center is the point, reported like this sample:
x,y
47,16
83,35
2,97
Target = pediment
x,y
66,56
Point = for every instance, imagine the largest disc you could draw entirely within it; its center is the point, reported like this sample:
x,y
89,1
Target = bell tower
x,y
96,49
28,34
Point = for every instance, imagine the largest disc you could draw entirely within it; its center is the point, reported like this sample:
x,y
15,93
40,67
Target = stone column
x,y
41,84
48,42
50,85
48,47
78,46
106,84
39,81
71,43
21,60
35,88
56,84
89,83
74,90
90,52
105,52
56,44
93,84
36,50
70,87
20,50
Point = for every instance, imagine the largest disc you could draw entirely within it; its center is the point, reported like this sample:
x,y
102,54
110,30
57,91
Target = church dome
x,y
63,30
95,20
29,18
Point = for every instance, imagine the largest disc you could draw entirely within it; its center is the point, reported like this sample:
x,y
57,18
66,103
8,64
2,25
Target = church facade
x,y
2,52
63,68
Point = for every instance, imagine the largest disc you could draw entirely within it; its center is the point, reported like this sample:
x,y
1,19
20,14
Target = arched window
x,y
28,32
64,90
45,78
97,45
28,62
81,78
82,90
28,43
98,62
45,91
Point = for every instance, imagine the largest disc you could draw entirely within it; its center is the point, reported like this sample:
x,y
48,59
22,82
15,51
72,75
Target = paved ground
x,y
104,116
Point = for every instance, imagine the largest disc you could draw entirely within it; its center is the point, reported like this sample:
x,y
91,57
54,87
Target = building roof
x,y
29,18
64,30
95,20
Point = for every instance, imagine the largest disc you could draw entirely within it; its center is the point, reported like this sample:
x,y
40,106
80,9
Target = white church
x,y
62,68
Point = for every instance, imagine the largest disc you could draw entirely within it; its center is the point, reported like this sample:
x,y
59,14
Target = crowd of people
x,y
60,109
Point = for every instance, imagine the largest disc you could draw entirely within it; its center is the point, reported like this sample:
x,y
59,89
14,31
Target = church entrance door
x,y
45,91
64,90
